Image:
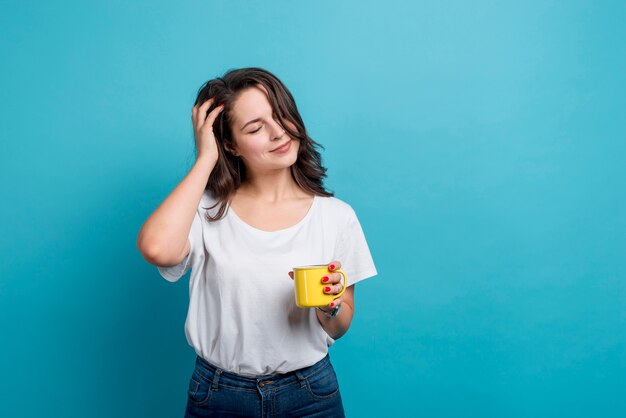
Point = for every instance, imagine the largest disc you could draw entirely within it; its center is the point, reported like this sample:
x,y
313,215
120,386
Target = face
x,y
259,139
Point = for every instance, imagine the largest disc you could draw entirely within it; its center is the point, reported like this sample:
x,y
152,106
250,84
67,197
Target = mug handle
x,y
345,282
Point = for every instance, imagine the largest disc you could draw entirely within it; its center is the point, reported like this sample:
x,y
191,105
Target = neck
x,y
271,186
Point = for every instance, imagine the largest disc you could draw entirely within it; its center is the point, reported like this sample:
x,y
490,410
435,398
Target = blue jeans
x,y
308,392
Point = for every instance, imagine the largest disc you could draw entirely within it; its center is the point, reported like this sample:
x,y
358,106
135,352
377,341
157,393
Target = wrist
x,y
330,313
206,161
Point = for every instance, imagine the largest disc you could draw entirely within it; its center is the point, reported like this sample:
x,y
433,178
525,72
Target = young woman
x,y
252,207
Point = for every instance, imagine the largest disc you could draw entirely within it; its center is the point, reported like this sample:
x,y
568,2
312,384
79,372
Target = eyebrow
x,y
252,121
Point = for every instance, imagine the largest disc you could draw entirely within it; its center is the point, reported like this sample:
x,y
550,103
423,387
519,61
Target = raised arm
x,y
163,238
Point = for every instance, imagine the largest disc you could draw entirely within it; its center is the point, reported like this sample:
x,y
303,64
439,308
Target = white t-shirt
x,y
242,313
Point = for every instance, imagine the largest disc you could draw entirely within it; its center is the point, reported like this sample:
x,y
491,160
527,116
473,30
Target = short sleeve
x,y
353,252
173,273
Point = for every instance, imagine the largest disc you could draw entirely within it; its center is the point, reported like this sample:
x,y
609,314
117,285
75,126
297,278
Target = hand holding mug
x,y
319,285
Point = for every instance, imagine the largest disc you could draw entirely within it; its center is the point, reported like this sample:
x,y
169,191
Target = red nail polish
x,y
327,289
332,266
325,279
332,304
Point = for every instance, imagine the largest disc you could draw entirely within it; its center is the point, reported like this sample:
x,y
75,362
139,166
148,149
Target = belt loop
x,y
301,378
216,378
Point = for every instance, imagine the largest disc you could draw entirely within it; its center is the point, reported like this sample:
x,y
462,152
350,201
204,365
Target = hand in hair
x,y
203,129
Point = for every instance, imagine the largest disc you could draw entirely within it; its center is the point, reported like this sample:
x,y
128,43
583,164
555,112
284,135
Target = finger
x,y
201,115
213,115
337,288
332,278
333,289
334,265
336,302
291,274
195,116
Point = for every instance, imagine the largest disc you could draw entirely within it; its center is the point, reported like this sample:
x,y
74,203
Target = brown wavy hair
x,y
230,171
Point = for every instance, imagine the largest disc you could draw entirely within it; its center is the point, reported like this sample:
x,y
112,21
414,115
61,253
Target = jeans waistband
x,y
215,374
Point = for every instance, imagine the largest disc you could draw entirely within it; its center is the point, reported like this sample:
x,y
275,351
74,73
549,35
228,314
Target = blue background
x,y
481,143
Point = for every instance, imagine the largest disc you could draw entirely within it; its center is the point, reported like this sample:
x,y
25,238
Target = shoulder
x,y
208,198
336,207
208,202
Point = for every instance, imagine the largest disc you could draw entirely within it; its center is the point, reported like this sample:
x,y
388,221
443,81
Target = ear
x,y
230,149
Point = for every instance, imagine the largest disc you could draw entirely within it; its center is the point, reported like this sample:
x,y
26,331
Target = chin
x,y
288,162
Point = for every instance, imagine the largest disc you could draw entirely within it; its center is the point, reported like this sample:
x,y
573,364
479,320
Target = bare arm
x,y
163,238
338,326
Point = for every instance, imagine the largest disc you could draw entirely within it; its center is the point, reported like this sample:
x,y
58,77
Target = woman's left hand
x,y
332,282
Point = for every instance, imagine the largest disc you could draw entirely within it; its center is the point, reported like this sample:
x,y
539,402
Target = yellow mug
x,y
309,287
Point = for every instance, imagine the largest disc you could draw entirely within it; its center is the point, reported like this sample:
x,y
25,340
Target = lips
x,y
283,147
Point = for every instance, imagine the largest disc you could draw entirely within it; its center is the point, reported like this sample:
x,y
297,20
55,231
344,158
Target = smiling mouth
x,y
282,146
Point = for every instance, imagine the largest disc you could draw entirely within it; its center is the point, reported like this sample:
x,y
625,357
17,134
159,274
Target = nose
x,y
277,130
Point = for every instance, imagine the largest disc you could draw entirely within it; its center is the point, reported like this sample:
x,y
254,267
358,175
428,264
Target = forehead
x,y
251,103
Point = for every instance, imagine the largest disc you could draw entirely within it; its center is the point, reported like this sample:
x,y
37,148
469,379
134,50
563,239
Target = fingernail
x,y
332,304
332,266
325,279
327,289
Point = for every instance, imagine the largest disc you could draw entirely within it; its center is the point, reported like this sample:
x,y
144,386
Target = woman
x,y
252,207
